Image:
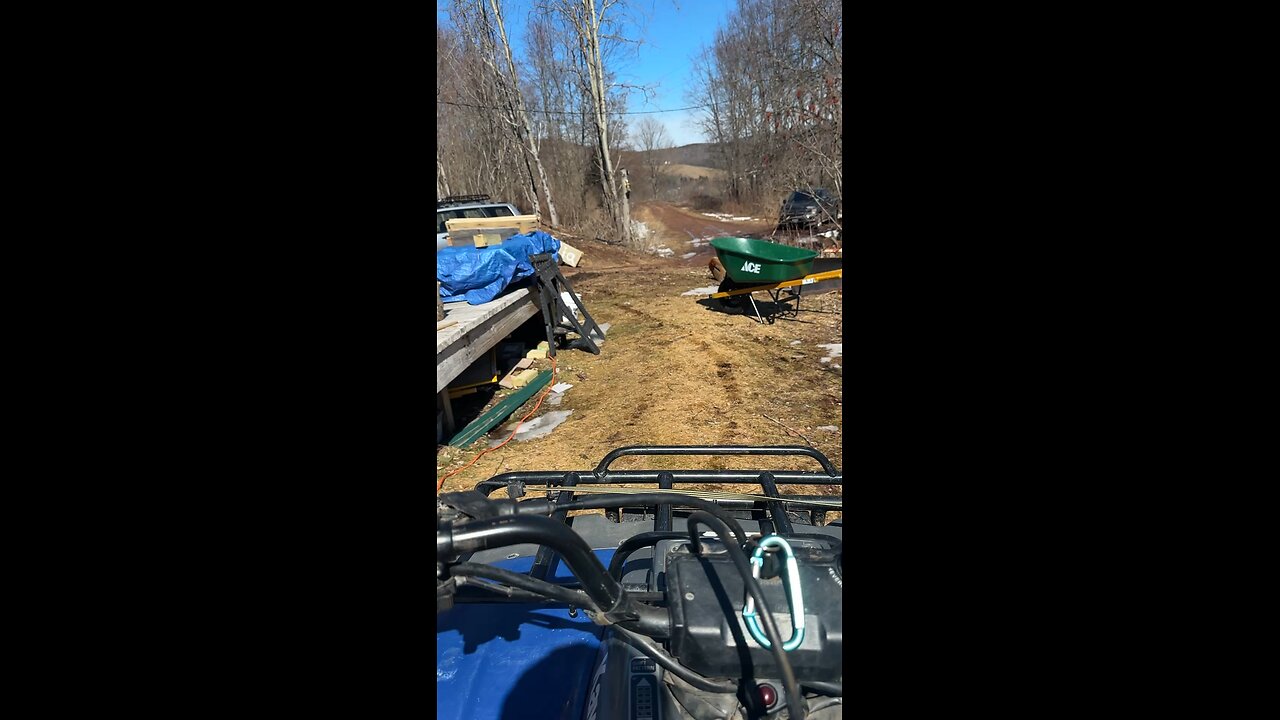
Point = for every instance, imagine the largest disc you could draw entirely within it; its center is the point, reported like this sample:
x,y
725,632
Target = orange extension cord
x,y
542,397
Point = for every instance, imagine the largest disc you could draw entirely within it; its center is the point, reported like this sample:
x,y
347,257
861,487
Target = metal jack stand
x,y
550,285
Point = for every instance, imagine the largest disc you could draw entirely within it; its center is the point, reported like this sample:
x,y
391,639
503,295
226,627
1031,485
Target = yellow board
x,y
522,223
484,237
569,254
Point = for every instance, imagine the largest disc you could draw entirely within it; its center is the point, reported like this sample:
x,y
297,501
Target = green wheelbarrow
x,y
752,265
748,261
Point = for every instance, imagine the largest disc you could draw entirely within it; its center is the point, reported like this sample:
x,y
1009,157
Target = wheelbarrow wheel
x,y
727,285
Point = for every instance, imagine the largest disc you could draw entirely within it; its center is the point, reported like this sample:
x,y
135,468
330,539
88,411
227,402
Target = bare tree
x,y
651,135
520,118
772,87
546,127
475,153
587,17
487,48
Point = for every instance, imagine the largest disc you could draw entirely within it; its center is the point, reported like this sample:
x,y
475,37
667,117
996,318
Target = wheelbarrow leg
x,y
755,307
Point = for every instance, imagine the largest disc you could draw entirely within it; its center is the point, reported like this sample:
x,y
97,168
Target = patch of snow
x,y
686,256
639,229
794,342
829,428
833,349
569,302
555,398
560,387
664,251
532,429
835,366
708,290
825,360
599,337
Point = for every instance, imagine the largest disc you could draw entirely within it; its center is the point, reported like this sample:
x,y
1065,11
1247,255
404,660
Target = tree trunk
x,y
442,180
626,201
589,39
523,128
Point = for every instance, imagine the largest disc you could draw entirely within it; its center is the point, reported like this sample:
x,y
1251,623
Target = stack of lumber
x,y
484,232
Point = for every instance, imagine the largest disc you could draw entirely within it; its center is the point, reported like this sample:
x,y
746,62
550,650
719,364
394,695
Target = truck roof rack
x,y
460,199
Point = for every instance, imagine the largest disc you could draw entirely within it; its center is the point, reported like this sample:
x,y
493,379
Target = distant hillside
x,y
692,172
696,155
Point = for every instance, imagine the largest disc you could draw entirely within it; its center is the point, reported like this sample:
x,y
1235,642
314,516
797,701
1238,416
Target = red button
x,y
768,695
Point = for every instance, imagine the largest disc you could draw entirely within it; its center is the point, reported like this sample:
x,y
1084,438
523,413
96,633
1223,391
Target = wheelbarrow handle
x,y
603,467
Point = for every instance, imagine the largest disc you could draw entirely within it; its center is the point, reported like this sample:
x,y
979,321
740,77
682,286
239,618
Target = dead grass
x,y
675,372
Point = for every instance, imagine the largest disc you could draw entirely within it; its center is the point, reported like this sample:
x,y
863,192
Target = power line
x,y
565,112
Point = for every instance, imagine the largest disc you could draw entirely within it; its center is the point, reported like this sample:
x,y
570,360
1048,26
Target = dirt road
x,y
687,232
676,369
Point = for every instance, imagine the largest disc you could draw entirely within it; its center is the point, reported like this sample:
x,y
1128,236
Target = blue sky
x,y
673,32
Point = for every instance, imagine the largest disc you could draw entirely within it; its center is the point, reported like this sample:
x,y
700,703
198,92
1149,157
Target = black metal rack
x,y
778,512
460,199
785,506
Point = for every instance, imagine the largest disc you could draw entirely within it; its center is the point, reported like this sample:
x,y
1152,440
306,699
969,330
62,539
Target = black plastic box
x,y
708,634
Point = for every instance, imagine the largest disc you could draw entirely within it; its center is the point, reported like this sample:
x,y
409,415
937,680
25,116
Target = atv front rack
x,y
775,512
652,617
518,483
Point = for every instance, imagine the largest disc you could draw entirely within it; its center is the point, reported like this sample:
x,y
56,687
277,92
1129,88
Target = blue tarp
x,y
479,275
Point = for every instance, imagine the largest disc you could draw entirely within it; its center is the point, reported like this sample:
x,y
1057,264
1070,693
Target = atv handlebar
x,y
539,530
612,604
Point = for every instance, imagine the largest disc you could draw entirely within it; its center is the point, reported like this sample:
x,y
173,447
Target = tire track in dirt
x,y
728,382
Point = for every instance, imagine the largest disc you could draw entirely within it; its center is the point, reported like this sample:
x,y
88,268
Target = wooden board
x,y
569,254
523,223
480,237
523,364
479,328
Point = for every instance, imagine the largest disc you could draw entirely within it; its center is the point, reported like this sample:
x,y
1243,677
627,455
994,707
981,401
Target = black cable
x,y
587,501
496,589
573,112
832,689
576,598
661,657
823,705
739,558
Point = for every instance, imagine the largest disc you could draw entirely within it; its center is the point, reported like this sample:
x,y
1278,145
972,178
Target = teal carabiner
x,y
796,599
